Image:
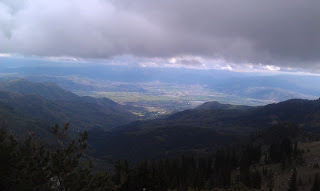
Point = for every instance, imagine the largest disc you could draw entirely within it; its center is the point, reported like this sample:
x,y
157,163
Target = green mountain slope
x,y
49,91
31,106
226,117
199,129
214,105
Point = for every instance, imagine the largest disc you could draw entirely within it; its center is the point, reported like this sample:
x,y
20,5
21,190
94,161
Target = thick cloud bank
x,y
282,33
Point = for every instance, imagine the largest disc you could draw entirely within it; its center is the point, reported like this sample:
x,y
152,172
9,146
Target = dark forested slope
x,y
226,117
27,106
201,129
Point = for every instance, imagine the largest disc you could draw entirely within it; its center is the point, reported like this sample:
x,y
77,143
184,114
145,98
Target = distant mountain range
x,y
115,132
214,105
38,106
201,129
226,117
248,88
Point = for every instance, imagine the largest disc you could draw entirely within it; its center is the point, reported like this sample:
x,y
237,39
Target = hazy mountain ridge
x,y
216,105
49,104
221,116
52,91
47,90
236,87
224,123
193,130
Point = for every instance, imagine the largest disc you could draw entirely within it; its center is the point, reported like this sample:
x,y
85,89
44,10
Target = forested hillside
x,y
259,163
214,146
29,106
200,130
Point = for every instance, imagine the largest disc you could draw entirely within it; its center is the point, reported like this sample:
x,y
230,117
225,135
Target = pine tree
x,y
256,180
270,181
293,186
316,183
117,172
295,150
32,166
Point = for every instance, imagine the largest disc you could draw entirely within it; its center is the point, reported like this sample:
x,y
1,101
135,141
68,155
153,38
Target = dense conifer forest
x,y
29,164
121,95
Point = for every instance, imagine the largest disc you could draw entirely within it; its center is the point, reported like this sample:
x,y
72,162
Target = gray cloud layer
x,y
284,33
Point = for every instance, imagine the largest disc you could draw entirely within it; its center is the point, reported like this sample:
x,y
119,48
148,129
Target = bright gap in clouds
x,y
5,55
190,62
231,35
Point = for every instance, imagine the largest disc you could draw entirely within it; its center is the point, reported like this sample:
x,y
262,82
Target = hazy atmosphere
x,y
161,95
277,34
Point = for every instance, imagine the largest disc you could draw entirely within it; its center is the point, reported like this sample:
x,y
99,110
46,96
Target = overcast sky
x,y
272,33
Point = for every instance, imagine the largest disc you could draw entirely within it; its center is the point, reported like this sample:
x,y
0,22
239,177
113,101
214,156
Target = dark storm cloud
x,y
283,33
